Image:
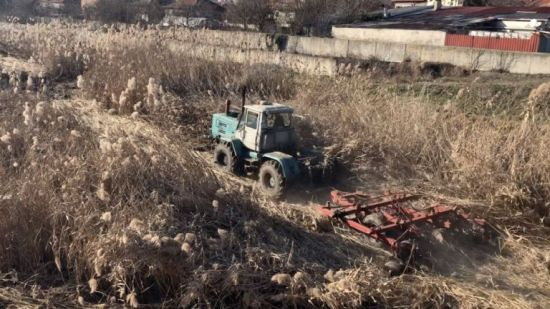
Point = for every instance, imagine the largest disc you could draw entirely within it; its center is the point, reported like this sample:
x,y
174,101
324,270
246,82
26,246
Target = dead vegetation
x,y
104,201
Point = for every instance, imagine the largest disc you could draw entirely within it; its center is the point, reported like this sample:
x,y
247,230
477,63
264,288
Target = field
x,y
108,193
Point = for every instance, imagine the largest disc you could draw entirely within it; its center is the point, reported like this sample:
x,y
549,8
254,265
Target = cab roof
x,y
270,107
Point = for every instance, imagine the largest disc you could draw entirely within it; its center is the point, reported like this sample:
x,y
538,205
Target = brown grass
x,y
104,202
407,139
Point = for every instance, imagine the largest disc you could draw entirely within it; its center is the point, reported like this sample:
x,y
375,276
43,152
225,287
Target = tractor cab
x,y
259,138
266,127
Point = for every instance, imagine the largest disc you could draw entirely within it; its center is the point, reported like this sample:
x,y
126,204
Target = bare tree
x,y
250,12
314,17
4,5
125,11
23,8
347,8
72,7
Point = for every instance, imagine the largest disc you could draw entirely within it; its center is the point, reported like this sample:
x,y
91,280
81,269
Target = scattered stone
x,y
314,293
281,279
394,267
106,216
92,283
185,247
180,238
190,238
224,234
329,276
438,235
374,219
137,225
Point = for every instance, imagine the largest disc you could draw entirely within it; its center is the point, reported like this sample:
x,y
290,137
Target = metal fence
x,y
509,44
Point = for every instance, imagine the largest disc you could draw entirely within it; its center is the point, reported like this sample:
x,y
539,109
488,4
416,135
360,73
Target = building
x,y
409,3
51,7
88,3
193,13
208,9
524,29
58,7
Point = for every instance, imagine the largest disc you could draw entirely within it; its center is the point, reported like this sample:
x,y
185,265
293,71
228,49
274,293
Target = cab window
x,y
278,120
252,120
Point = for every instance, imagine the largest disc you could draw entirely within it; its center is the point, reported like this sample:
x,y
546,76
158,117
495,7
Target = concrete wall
x,y
320,55
296,62
419,37
236,39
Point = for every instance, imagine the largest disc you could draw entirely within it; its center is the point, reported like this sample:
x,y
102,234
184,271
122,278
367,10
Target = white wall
x,y
420,37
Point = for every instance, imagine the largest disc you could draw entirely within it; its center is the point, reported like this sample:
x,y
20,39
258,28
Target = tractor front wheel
x,y
224,156
272,181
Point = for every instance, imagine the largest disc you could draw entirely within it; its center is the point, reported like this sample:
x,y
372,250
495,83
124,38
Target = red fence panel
x,y
509,44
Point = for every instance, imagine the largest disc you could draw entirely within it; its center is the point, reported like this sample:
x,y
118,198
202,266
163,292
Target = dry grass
x,y
406,139
102,200
128,215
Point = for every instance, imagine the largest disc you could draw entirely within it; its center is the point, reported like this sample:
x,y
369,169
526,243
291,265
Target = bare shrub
x,y
315,17
21,8
249,12
66,66
110,216
493,158
125,11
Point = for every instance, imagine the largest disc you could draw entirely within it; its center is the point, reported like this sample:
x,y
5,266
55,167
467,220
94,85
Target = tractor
x,y
260,139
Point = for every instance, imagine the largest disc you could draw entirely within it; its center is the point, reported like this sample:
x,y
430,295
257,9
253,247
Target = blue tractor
x,y
260,139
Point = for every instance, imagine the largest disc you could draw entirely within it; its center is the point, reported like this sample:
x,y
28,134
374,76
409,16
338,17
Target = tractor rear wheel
x,y
272,181
226,158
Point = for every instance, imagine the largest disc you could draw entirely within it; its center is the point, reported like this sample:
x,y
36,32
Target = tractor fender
x,y
288,163
236,145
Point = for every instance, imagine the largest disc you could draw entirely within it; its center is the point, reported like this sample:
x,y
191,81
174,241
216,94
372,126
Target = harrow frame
x,y
399,216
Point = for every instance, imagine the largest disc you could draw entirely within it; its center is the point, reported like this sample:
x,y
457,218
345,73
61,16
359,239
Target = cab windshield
x,y
278,120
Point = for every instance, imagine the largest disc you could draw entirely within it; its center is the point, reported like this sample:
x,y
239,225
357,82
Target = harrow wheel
x,y
271,179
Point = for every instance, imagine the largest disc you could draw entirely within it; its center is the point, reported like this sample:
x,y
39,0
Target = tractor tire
x,y
226,158
271,179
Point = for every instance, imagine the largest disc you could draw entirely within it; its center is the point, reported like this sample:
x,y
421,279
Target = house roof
x,y
452,18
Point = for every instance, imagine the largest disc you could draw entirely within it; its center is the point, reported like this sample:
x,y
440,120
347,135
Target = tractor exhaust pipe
x,y
227,106
241,115
243,94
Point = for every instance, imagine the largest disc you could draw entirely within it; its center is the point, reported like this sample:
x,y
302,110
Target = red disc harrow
x,y
392,218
